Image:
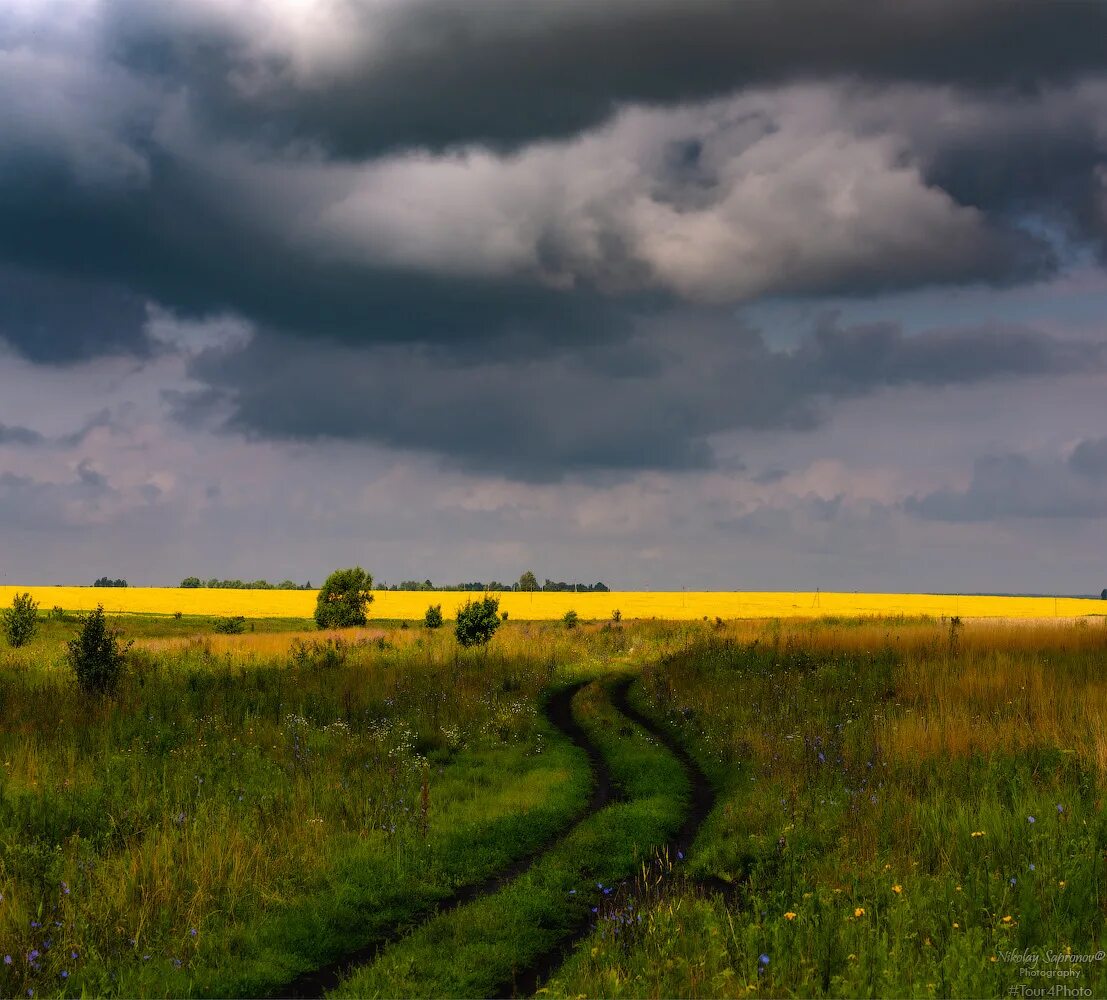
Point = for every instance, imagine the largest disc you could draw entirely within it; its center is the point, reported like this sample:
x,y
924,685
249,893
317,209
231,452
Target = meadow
x,y
837,806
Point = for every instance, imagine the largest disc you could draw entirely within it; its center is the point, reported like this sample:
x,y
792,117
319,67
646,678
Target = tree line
x,y
194,583
528,582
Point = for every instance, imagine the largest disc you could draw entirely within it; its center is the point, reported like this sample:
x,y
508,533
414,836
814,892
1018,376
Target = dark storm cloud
x,y
10,434
56,318
434,73
541,419
1014,486
1089,458
841,358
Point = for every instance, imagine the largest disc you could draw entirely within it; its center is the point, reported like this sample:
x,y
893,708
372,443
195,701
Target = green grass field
x,y
878,807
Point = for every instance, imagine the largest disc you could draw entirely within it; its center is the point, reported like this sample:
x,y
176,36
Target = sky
x,y
669,294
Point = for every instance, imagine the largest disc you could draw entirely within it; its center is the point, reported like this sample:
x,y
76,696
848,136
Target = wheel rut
x,y
559,713
701,801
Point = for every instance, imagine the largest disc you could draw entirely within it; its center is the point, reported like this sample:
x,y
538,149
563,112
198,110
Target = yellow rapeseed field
x,y
545,606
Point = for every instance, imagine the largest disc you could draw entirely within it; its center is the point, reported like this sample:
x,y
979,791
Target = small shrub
x,y
177,615
433,617
616,616
234,625
571,619
96,654
20,620
58,614
345,595
477,621
503,616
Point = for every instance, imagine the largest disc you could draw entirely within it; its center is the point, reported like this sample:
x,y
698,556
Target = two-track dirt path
x,y
701,801
526,980
558,711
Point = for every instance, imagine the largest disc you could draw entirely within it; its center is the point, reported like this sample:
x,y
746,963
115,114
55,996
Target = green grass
x,y
854,868
475,950
290,802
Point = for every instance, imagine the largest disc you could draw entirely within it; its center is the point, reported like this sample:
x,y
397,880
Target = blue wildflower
x,y
763,960
1031,819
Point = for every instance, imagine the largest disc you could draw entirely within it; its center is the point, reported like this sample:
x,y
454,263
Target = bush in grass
x,y
235,625
570,619
20,620
477,621
433,618
96,654
345,595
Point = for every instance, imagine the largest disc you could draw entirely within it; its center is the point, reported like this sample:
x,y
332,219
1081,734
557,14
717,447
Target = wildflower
x,y
978,833
7,960
1060,808
572,892
956,926
789,915
33,955
957,888
1031,819
1013,880
680,855
1033,868
1008,919
64,974
192,933
762,960
1062,883
65,888
859,912
992,959
73,954
897,889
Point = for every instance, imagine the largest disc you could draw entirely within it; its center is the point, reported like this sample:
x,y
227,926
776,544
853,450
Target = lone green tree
x,y
433,617
477,621
20,620
528,581
345,595
96,654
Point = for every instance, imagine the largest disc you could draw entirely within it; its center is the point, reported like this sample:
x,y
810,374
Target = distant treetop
x,y
107,581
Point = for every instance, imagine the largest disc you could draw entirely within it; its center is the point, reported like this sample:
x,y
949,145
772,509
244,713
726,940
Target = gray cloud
x,y
359,79
1015,486
147,180
1089,458
688,377
14,434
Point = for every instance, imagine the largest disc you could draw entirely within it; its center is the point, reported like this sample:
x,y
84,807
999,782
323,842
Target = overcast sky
x,y
668,294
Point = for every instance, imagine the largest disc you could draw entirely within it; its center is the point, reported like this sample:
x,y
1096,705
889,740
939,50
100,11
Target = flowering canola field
x,y
411,605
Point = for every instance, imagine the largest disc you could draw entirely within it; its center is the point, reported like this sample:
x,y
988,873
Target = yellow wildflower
x,y
897,889
789,915
1008,919
859,912
978,833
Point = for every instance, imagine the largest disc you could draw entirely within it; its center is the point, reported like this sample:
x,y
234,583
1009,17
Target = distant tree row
x,y
194,582
527,582
107,581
